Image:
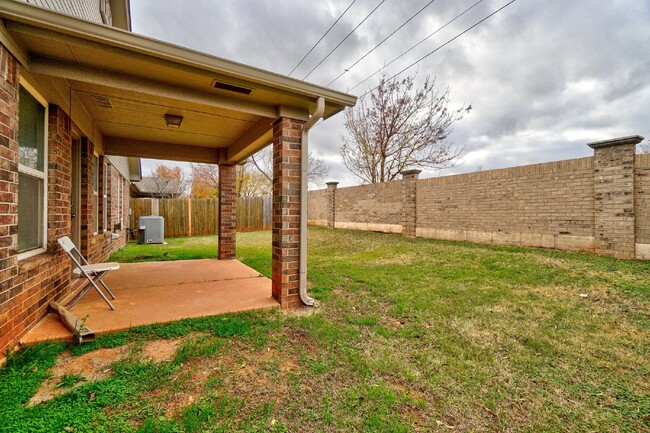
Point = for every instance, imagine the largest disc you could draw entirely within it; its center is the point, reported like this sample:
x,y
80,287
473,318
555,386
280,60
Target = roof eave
x,y
45,18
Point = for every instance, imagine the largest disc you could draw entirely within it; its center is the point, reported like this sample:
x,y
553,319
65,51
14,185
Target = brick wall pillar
x,y
614,196
409,211
287,136
227,212
87,217
331,204
9,89
59,176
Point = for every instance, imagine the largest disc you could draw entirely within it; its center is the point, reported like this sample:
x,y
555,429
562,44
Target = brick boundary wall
x,y
374,207
597,204
642,206
318,207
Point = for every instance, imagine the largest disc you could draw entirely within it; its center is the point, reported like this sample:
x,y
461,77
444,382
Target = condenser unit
x,y
151,230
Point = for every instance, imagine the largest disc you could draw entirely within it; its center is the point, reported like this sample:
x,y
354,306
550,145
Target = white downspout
x,y
304,181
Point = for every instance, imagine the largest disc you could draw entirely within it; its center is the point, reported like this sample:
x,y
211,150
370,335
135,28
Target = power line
x,y
416,45
377,46
322,37
344,39
445,44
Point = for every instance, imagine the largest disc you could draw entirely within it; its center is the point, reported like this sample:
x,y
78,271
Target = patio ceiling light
x,y
173,121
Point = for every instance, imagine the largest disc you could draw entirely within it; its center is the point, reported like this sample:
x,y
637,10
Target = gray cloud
x,y
544,78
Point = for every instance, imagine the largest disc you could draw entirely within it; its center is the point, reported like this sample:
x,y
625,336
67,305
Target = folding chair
x,y
93,273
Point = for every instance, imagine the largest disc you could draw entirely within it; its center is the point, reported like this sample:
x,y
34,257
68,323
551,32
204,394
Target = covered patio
x,y
162,292
131,96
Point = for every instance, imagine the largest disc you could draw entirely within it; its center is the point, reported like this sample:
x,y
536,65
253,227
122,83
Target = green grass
x,y
411,335
69,380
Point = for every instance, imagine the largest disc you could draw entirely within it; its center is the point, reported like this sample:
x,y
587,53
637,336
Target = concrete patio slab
x,y
161,292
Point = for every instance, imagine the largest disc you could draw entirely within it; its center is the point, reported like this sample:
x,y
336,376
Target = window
x,y
32,174
105,177
96,192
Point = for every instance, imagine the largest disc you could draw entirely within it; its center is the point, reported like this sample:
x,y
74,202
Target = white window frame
x,y
35,173
105,197
96,193
120,207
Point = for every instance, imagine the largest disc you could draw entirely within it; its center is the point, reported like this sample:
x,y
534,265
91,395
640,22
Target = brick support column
x,y
287,143
614,196
227,212
409,210
331,204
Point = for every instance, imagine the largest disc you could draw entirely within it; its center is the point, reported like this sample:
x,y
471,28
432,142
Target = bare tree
x,y
205,180
400,126
263,162
248,181
167,182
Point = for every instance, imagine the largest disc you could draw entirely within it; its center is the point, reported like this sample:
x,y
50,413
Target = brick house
x,y
82,99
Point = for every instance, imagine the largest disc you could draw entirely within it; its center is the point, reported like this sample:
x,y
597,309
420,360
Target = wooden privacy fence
x,y
199,216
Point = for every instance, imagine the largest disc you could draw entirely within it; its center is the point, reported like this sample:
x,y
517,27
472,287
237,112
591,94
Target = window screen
x,y
31,131
31,172
30,212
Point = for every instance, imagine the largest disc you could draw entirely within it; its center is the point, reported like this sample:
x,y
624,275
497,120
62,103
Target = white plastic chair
x,y
93,273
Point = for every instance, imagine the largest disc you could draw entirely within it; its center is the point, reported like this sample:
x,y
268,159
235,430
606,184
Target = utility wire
x,y
377,46
322,37
416,45
344,39
445,44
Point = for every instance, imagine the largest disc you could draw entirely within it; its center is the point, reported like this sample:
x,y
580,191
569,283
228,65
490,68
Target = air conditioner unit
x,y
152,230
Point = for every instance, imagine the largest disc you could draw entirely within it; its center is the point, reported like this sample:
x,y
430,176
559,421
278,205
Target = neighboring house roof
x,y
124,84
115,13
156,187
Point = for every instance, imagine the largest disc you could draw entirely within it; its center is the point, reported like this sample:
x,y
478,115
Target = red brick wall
x,y
101,243
37,280
27,286
8,203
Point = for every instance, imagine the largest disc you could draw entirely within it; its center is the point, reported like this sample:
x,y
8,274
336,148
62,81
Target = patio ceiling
x,y
119,86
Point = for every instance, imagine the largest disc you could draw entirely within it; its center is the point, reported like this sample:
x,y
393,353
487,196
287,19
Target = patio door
x,y
75,195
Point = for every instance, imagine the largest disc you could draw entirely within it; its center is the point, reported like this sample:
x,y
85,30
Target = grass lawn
x,y
411,335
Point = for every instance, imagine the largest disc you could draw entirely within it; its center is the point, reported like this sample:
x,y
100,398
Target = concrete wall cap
x,y
632,139
410,172
331,183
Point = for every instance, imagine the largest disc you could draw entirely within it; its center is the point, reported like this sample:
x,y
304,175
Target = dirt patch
x,y
92,366
161,350
250,375
301,311
95,366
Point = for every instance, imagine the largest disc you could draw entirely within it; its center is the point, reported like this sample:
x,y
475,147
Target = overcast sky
x,y
543,77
